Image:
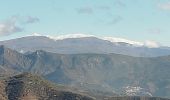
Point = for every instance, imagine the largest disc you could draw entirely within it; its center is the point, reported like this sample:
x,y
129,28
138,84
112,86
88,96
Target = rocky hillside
x,y
29,87
26,86
136,98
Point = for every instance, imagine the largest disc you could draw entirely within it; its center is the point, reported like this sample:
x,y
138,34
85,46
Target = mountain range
x,y
109,74
76,44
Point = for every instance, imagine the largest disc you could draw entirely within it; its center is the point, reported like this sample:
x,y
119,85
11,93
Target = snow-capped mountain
x,y
148,43
80,43
136,91
69,36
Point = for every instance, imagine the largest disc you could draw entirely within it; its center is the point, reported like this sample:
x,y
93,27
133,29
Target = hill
x,y
30,87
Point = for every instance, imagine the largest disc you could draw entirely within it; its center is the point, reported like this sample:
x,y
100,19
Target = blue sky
x,y
138,20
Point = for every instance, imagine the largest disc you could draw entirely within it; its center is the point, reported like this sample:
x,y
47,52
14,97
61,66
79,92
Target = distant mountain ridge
x,y
95,73
111,39
80,44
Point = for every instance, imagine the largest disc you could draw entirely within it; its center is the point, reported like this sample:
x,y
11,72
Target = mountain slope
x,y
137,98
82,45
107,73
28,87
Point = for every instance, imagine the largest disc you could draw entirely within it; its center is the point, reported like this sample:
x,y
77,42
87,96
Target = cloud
x,y
85,10
14,24
91,10
151,44
31,19
164,6
8,27
104,10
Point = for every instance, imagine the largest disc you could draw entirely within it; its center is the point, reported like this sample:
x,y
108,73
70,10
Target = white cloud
x,y
164,6
151,44
91,10
30,19
14,24
9,27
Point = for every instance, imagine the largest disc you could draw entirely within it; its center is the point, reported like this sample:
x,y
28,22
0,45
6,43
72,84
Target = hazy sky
x,y
131,19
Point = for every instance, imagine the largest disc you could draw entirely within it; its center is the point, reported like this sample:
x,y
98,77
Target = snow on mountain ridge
x,y
134,91
62,37
149,44
112,39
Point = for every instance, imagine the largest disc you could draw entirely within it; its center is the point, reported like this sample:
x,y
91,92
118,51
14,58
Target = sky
x,y
137,20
